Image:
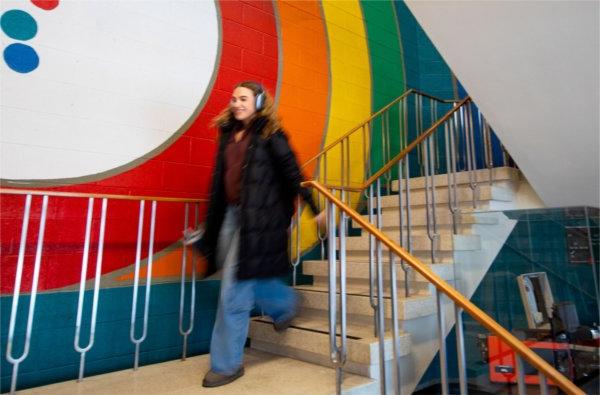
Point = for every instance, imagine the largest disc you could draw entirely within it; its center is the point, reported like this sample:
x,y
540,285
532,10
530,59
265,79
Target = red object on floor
x,y
502,361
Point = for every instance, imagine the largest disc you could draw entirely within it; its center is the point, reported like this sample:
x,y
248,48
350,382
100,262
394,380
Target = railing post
x,y
98,274
372,299
17,288
380,306
442,342
543,384
520,375
460,350
186,332
138,341
395,329
331,245
296,261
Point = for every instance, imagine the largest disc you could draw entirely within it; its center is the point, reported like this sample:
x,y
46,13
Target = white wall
x,y
115,81
532,68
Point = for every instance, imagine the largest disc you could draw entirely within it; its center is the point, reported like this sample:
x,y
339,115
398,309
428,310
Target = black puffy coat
x,y
270,181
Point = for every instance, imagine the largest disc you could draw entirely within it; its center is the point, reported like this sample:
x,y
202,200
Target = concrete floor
x,y
265,374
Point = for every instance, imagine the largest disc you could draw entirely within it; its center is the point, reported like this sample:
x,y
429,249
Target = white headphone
x,y
260,98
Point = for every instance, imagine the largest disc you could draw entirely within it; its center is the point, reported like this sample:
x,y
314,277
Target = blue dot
x,y
18,25
21,58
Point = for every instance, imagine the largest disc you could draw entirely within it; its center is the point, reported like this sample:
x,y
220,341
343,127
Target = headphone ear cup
x,y
260,101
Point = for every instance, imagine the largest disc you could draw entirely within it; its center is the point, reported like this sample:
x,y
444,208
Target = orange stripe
x,y
303,100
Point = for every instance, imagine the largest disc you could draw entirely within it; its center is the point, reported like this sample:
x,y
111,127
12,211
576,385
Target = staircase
x,y
308,338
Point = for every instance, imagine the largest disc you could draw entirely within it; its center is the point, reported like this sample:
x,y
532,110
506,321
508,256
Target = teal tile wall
x,y
52,357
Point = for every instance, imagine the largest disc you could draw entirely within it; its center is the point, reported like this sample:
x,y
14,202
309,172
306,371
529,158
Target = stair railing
x,y
443,290
388,129
96,299
458,142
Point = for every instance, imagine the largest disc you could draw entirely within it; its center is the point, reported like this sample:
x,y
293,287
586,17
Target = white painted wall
x,y
115,81
532,67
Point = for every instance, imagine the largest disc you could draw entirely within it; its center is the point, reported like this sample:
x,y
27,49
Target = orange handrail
x,y
40,192
442,286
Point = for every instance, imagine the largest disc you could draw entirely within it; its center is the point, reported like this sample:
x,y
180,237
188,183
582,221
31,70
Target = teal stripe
x,y
52,357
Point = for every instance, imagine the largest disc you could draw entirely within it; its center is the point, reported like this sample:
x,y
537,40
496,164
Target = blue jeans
x,y
237,300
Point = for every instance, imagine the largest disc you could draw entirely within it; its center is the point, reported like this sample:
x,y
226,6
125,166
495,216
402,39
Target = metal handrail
x,y
412,145
460,301
373,116
83,349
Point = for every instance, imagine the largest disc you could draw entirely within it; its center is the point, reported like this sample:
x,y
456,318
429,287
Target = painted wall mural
x,y
117,98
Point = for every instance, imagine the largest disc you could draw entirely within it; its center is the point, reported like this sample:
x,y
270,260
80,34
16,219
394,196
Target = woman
x,y
255,181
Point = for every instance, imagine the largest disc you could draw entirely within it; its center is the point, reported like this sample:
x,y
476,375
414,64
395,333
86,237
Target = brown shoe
x,y
281,326
212,379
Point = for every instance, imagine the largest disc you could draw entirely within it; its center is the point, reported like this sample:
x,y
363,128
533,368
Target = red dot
x,y
46,4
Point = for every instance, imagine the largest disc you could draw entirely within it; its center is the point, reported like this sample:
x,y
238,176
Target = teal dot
x,y
18,25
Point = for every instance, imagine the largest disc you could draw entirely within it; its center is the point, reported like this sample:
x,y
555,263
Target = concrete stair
x,y
308,340
308,337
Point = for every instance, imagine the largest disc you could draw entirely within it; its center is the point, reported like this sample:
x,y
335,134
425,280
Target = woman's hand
x,y
190,236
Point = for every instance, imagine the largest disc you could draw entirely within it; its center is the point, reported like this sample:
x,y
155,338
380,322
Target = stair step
x,y
391,220
356,269
308,340
445,242
316,297
463,194
499,174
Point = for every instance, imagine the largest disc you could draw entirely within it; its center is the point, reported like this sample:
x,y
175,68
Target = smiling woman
x,y
115,81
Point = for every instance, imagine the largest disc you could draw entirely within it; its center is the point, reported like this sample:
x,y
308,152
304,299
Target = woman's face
x,y
243,104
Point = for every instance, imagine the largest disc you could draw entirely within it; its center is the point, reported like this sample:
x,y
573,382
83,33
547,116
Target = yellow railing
x,y
515,344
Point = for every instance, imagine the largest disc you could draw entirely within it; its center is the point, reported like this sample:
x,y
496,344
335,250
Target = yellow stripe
x,y
350,96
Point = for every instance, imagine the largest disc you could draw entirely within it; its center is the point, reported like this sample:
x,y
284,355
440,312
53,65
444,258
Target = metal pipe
x,y
372,299
428,210
97,277
406,267
388,175
334,351
138,341
185,332
322,237
136,280
380,306
348,167
460,350
442,343
487,146
17,289
473,184
433,199
520,375
84,263
401,226
453,164
449,176
543,384
343,294
464,114
395,329
296,262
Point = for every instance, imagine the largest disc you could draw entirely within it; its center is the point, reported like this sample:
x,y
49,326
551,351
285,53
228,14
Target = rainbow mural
x,y
117,98
130,114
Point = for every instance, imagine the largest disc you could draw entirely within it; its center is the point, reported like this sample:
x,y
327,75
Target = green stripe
x,y
387,73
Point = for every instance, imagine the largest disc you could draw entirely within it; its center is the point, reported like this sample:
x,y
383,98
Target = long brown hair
x,y
268,111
